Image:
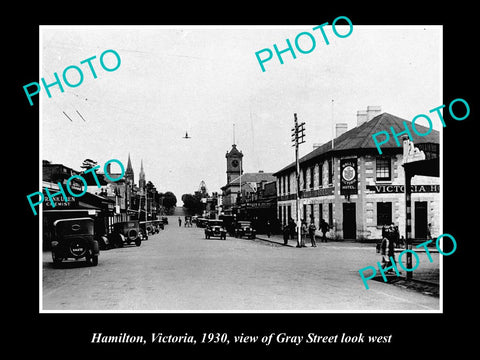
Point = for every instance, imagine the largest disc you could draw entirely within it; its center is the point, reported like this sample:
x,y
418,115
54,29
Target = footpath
x,y
425,279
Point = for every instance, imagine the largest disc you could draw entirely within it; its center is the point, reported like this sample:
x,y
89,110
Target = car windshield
x,y
215,223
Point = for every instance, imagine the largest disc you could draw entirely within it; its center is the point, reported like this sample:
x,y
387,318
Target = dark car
x,y
244,228
74,238
157,225
215,228
229,223
201,222
165,220
147,228
126,232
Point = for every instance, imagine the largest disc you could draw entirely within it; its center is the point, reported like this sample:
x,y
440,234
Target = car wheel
x,y
56,260
94,260
138,242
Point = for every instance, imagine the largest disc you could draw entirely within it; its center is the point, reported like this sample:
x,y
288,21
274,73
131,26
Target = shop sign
x,y
59,202
319,192
388,189
348,176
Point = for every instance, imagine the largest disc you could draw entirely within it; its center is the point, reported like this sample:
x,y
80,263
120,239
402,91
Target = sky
x,y
206,80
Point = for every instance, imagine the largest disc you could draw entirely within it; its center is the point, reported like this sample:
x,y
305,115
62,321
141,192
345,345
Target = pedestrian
x,y
383,252
395,235
324,227
429,231
387,248
286,234
311,233
303,233
179,221
293,228
268,228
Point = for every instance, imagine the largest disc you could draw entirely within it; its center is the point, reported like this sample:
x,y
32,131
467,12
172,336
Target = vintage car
x,y
126,232
201,222
229,223
165,220
147,228
157,225
215,228
74,238
244,228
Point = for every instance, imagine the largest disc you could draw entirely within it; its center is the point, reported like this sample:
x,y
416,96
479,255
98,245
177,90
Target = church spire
x,y
129,175
141,181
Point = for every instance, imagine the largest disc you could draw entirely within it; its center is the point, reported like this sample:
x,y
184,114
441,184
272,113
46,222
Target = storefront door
x,y
349,221
421,220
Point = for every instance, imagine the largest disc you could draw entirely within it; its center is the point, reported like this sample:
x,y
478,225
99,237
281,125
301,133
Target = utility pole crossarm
x,y
297,139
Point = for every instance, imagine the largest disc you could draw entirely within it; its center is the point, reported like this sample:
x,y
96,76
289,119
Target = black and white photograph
x,y
301,181
176,148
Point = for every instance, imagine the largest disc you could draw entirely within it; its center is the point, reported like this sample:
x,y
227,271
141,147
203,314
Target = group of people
x,y
290,231
188,221
390,239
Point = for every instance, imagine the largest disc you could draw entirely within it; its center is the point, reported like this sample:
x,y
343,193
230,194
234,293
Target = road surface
x,y
179,270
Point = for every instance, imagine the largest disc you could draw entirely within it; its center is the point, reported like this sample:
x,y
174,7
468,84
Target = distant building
x,y
355,189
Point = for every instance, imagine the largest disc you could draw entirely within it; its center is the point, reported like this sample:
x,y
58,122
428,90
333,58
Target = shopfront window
x,y
304,178
384,213
383,169
312,170
330,171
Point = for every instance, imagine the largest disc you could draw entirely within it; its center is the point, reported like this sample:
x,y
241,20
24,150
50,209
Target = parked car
x,y
74,238
157,225
244,228
215,228
229,223
201,222
165,220
147,228
125,233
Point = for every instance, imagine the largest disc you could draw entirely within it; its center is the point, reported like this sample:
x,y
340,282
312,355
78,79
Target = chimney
x,y
340,128
260,171
361,117
373,111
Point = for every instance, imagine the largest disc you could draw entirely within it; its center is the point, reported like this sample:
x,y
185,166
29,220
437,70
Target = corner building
x,y
355,189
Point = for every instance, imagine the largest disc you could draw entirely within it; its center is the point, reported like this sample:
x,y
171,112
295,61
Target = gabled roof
x,y
234,152
253,177
360,138
250,178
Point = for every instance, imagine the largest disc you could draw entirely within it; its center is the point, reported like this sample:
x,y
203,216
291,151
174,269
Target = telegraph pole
x,y
297,139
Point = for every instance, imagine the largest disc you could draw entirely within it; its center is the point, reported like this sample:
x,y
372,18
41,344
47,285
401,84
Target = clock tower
x,y
234,163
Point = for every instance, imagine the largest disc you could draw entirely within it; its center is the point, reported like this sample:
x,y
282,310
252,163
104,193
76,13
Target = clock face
x,y
234,163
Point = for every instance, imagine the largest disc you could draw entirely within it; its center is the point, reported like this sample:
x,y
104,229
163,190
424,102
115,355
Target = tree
x,y
193,203
169,201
